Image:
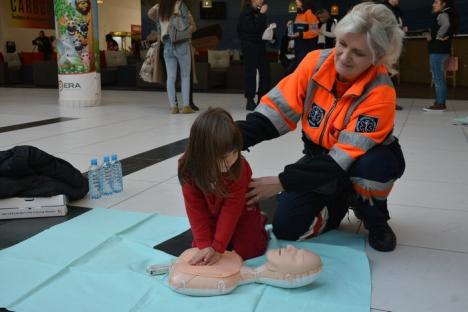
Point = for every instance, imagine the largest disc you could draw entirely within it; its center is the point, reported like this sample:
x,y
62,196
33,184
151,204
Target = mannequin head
x,y
292,260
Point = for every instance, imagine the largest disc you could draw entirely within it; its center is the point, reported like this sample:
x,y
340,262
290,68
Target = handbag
x,y
178,29
268,34
148,66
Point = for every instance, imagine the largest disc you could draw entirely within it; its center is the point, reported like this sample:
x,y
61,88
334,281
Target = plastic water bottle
x,y
106,177
94,180
117,180
290,30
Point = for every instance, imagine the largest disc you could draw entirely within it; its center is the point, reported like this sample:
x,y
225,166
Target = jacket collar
x,y
326,76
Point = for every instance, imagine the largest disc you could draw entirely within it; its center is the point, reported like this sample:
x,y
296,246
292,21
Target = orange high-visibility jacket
x,y
310,19
348,126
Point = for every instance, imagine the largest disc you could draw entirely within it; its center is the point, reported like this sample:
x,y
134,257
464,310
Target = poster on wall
x,y
76,23
30,13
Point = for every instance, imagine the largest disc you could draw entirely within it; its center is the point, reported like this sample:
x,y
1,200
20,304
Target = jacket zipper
x,y
326,120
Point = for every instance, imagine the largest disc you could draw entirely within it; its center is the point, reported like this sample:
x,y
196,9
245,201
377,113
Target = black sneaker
x,y
398,107
381,237
250,106
194,107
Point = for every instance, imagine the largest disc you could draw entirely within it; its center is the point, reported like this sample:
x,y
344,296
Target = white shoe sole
x,y
434,110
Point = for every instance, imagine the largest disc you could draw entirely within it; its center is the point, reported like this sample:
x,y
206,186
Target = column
x,y
76,27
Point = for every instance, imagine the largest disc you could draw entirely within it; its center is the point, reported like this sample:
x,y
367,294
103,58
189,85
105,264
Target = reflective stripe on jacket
x,y
348,126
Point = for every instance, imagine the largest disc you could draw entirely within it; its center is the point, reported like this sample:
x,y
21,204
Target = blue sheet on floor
x,y
97,262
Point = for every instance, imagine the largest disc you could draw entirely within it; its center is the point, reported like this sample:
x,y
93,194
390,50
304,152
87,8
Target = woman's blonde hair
x,y
378,23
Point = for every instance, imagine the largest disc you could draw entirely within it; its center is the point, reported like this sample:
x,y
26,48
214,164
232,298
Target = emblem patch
x,y
366,124
316,115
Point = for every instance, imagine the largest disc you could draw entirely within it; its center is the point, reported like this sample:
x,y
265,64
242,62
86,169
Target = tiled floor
x,y
429,206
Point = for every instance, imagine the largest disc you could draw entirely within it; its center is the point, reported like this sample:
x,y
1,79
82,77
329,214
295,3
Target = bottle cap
x,y
114,156
106,158
94,161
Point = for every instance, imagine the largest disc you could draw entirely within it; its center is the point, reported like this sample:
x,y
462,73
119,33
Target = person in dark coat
x,y
43,45
393,5
251,25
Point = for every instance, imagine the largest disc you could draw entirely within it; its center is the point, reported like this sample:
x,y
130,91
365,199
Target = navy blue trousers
x,y
302,214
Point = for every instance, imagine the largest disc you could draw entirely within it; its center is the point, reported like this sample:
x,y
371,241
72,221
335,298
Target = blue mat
x,y
97,262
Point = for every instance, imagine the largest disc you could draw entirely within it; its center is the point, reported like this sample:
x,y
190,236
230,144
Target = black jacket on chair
x,y
26,171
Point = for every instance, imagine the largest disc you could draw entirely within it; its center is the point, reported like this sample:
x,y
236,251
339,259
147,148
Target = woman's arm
x,y
193,25
153,13
281,108
444,23
182,9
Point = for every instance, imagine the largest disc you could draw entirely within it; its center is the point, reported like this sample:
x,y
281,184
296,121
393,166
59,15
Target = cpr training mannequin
x,y
288,267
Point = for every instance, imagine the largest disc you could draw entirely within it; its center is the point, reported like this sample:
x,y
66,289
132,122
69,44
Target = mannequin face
x,y
299,4
394,2
288,255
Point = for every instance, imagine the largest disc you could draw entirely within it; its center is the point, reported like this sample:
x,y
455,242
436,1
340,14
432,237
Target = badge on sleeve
x,y
366,124
316,115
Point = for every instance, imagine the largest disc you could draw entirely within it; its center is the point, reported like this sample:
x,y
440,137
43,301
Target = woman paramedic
x,y
345,102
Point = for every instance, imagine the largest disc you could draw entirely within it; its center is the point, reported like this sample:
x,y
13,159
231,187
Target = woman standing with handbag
x,y
175,52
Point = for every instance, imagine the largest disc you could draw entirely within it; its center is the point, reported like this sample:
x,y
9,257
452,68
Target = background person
x,y
175,54
305,32
250,27
326,39
111,44
393,5
444,26
345,102
43,45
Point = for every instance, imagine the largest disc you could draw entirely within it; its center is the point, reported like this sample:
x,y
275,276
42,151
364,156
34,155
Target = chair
x,y
219,60
213,73
451,69
13,68
113,60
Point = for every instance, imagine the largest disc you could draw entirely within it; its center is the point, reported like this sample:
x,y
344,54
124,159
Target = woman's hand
x,y
205,256
264,8
295,35
428,37
289,23
262,188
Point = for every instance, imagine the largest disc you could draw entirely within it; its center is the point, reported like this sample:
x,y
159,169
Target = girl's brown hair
x,y
213,135
166,9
